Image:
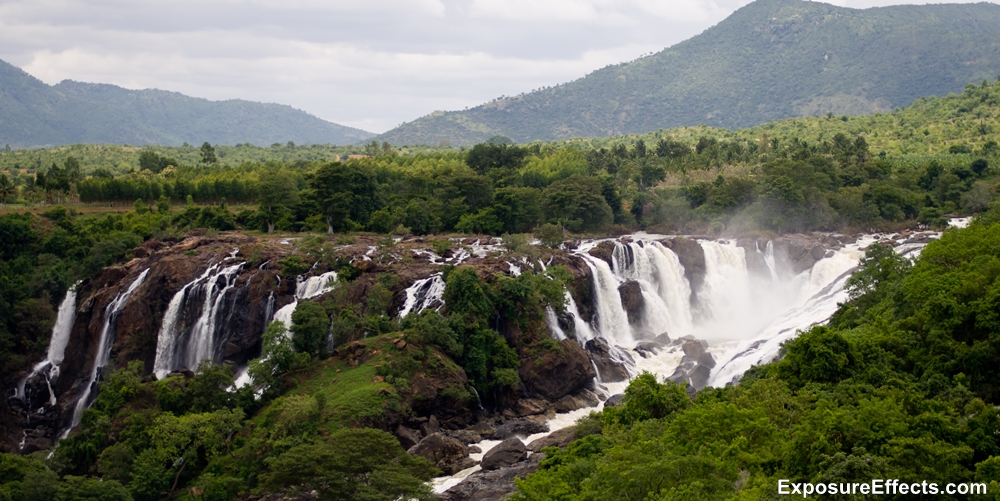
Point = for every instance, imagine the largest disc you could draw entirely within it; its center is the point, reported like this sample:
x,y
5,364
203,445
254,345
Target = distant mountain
x,y
771,59
33,113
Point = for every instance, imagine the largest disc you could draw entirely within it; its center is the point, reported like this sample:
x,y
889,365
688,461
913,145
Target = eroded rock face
x,y
553,374
505,453
609,369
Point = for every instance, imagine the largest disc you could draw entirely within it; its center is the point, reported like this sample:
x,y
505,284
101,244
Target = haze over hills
x,y
769,60
33,113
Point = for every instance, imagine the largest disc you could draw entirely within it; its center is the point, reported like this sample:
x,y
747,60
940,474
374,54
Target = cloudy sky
x,y
370,64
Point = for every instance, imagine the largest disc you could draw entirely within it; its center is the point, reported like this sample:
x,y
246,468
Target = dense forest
x,y
900,384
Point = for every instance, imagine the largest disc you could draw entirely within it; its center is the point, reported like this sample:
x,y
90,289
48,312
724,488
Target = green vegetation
x,y
770,60
36,114
899,385
914,165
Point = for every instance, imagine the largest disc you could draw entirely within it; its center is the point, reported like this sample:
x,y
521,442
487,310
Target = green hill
x,y
770,60
36,114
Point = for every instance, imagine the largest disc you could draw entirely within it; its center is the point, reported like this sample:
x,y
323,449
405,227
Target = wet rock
x,y
609,369
559,438
407,437
818,252
444,451
474,449
692,258
693,348
706,359
631,295
663,339
492,485
614,400
505,453
647,349
603,250
699,376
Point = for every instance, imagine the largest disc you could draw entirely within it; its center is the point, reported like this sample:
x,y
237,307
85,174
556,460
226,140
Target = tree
x,y
485,157
352,464
344,193
577,203
208,154
7,189
277,194
310,325
979,166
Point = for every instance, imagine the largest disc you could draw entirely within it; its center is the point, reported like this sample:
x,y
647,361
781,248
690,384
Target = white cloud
x,y
371,64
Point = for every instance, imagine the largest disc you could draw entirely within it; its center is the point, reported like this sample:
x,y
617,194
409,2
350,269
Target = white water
x,y
177,348
57,346
423,294
307,288
104,344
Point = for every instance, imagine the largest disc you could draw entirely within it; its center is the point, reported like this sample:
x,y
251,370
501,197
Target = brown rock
x,y
610,370
407,437
431,426
492,485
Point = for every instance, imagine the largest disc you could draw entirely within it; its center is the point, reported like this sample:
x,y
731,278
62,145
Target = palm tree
x,y
7,189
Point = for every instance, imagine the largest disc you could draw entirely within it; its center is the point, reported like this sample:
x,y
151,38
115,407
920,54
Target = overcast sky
x,y
370,64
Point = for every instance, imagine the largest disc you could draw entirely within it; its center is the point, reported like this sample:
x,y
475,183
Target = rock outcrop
x,y
553,374
631,296
611,367
692,258
448,454
492,485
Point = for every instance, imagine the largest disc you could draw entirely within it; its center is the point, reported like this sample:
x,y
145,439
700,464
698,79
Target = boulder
x,y
559,438
631,295
818,252
707,360
530,407
699,376
609,369
505,453
466,436
444,451
663,339
431,427
693,348
407,437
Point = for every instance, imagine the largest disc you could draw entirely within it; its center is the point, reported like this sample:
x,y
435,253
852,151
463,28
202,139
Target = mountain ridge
x,y
769,60
37,114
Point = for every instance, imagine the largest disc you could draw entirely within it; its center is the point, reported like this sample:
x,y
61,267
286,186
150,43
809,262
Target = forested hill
x,y
33,113
771,59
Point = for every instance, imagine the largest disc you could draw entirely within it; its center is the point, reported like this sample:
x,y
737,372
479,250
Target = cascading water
x,y
49,367
178,347
104,344
423,294
305,288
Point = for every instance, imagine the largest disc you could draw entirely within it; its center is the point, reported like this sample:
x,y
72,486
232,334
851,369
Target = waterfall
x,y
305,288
423,294
611,319
177,347
553,323
57,347
104,344
768,255
725,295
